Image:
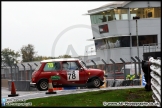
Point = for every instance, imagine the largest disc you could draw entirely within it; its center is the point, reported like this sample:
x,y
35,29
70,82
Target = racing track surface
x,y
40,94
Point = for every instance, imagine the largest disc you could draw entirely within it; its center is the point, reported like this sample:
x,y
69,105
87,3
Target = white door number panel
x,y
73,75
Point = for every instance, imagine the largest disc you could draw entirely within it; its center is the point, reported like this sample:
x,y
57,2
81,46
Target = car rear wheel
x,y
42,85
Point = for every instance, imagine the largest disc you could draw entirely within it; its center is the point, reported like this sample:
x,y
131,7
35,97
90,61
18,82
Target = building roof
x,y
113,3
61,59
108,6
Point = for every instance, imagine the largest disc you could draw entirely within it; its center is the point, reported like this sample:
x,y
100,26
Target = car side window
x,y
52,66
73,65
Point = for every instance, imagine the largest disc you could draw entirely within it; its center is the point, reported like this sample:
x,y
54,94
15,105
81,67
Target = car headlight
x,y
105,75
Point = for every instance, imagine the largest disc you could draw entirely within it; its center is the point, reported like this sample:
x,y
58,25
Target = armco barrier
x,y
156,79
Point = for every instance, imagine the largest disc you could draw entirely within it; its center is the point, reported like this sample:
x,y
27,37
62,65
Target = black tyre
x,y
96,83
148,87
42,85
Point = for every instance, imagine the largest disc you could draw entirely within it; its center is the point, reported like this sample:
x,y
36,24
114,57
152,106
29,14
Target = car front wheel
x,y
96,83
42,85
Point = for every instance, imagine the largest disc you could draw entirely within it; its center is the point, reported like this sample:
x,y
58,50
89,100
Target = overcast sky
x,y
40,23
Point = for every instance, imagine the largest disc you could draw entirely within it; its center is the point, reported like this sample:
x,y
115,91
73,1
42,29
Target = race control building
x,y
116,27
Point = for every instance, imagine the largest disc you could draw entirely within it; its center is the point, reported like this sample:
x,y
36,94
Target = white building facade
x,y
116,30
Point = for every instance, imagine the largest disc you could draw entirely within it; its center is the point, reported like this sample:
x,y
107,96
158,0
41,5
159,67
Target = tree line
x,y
9,56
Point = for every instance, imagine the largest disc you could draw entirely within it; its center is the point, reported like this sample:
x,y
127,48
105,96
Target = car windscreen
x,y
82,64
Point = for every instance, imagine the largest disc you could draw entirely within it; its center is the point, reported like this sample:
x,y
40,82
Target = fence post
x,y
30,71
135,67
124,68
11,73
24,71
5,72
113,68
94,63
83,63
17,72
139,62
35,64
105,65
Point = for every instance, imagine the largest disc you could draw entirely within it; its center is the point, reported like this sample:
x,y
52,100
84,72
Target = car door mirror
x,y
81,69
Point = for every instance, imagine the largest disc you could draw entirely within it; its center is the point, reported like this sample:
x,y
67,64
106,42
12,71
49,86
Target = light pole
x,y
135,18
3,66
10,65
15,69
91,51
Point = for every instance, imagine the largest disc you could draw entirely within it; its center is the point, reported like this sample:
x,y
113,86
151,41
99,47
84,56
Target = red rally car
x,y
66,72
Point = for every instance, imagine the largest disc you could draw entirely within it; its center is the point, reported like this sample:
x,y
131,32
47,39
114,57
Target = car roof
x,y
61,59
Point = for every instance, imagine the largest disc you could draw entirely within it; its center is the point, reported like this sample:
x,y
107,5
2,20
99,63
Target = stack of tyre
x,y
146,69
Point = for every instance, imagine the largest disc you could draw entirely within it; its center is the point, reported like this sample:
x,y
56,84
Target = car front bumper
x,y
32,84
105,75
102,82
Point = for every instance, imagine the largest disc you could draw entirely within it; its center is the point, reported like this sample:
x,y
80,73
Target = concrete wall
x,y
146,26
149,26
4,83
21,85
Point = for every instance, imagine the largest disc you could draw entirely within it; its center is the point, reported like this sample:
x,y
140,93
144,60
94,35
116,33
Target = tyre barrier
x,y
118,83
156,79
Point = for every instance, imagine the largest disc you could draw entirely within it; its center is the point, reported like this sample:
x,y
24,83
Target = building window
x,y
109,15
121,14
102,17
100,44
124,41
115,42
153,12
117,16
144,40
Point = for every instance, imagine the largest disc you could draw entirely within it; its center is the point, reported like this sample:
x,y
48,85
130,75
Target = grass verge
x,y
95,98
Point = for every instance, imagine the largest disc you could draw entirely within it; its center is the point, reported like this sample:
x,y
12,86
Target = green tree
x,y
39,58
28,53
8,56
65,56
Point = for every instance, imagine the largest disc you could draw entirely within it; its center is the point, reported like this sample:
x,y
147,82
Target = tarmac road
x,y
40,94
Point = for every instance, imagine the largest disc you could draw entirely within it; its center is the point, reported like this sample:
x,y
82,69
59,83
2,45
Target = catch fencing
x,y
120,74
116,73
20,74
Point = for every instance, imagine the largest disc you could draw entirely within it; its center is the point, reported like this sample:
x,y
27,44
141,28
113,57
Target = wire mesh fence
x,y
118,74
19,72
